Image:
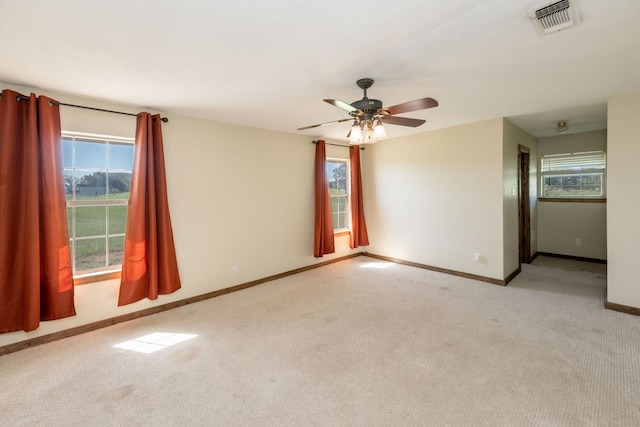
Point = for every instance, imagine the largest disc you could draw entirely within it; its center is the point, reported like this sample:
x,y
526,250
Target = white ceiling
x,y
269,64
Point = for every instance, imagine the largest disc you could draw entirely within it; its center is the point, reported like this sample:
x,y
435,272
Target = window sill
x,y
570,200
83,279
341,233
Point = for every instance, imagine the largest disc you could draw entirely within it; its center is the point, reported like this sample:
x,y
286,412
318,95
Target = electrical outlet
x,y
476,257
578,242
234,268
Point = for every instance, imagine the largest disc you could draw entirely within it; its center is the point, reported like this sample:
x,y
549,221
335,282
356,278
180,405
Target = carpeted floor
x,y
359,342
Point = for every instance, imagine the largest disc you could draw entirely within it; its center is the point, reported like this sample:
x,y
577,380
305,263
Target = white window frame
x,y
588,163
346,196
73,204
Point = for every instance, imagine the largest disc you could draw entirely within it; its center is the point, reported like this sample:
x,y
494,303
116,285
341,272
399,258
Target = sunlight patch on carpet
x,y
376,264
153,342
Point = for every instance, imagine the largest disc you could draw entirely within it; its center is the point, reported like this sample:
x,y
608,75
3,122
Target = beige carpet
x,y
352,344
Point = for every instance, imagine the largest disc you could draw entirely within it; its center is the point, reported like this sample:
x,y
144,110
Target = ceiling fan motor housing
x,y
368,106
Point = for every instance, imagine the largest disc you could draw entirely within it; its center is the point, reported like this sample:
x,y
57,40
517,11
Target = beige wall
x,y
560,224
514,137
244,196
238,196
436,198
623,200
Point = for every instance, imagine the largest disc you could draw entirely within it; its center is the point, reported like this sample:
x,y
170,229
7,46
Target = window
x,y
575,175
337,174
97,176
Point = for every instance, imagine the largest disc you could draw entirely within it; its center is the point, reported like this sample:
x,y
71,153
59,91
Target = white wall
x,y
436,198
238,196
561,223
623,200
513,138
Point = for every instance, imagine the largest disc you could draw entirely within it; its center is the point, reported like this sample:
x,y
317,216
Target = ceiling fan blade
x,y
402,121
325,123
418,104
341,104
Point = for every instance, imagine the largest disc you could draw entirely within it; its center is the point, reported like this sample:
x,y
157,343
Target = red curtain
x,y
149,265
359,236
323,240
36,281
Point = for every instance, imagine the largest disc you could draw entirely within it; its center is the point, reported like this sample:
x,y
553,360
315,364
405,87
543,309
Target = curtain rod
x,y
25,98
314,142
164,119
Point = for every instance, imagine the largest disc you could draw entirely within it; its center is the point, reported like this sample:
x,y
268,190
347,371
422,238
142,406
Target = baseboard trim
x,y
443,270
11,348
576,258
512,276
621,308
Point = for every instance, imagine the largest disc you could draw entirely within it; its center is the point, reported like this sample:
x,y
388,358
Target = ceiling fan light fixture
x,y
562,127
369,136
356,134
379,131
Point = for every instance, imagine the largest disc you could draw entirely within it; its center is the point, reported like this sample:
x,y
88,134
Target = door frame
x,y
524,205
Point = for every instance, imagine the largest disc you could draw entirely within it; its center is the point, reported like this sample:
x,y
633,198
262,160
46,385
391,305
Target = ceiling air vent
x,y
555,16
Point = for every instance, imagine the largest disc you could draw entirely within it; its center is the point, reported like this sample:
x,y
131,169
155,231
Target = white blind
x,y
575,162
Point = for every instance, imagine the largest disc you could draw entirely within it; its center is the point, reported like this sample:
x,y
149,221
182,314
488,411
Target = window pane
x,y
570,184
119,185
337,177
69,221
97,175
90,185
121,157
338,181
343,214
91,221
69,179
589,185
573,174
339,210
335,206
116,249
342,220
555,181
67,153
117,219
91,155
91,253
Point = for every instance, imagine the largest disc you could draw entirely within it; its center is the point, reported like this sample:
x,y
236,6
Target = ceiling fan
x,y
369,115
